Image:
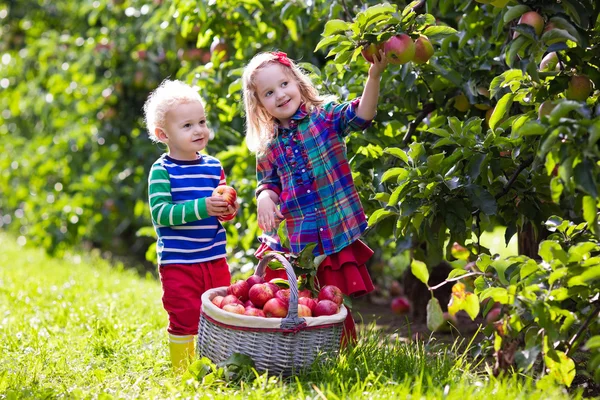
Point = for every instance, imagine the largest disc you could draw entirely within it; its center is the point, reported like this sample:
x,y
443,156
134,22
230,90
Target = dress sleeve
x,y
164,211
266,175
344,119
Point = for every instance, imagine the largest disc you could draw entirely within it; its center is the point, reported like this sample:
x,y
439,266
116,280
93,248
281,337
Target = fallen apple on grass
x,y
400,305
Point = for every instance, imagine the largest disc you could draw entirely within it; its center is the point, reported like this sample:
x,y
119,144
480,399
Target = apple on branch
x,y
400,49
369,50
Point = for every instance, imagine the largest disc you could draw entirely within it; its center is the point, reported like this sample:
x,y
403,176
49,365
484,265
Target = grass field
x,y
78,328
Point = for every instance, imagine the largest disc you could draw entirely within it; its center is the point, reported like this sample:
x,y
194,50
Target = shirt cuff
x,y
268,186
202,208
354,121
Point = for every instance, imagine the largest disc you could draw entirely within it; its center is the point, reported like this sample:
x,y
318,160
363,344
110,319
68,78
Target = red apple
x,y
304,293
283,295
369,50
230,299
227,193
545,108
423,50
304,311
532,19
580,88
254,312
254,279
493,315
248,303
239,290
275,308
400,49
273,287
217,300
400,305
307,301
260,293
325,307
234,308
331,292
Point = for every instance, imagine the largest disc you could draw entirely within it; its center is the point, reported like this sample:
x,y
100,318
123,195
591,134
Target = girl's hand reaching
x,y
380,63
269,215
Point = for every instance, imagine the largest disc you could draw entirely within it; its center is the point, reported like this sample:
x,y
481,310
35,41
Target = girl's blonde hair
x,y
166,96
260,125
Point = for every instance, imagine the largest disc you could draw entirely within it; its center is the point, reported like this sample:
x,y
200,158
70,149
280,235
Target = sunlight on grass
x,y
78,328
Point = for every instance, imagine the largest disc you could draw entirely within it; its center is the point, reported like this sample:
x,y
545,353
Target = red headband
x,y
282,58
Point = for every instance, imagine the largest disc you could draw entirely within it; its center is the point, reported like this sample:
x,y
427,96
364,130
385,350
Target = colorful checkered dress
x,y
307,166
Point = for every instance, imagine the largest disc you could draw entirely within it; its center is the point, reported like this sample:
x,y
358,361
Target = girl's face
x,y
278,92
185,131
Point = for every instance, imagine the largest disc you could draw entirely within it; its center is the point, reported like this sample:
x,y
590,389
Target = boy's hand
x,y
380,63
216,207
268,214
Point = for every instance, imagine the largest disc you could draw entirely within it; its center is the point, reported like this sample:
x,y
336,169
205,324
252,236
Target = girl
x,y
302,166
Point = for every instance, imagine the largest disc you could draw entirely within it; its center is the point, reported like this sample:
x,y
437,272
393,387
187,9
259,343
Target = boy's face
x,y
278,92
185,131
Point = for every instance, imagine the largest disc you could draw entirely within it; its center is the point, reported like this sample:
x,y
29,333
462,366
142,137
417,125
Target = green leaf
x,y
593,343
496,293
435,315
515,12
562,109
439,132
326,41
581,250
560,367
419,270
584,178
558,35
501,109
482,199
398,153
527,357
550,251
335,26
380,215
588,275
456,272
438,32
283,235
556,189
514,47
530,128
399,173
282,283
471,305
590,209
434,162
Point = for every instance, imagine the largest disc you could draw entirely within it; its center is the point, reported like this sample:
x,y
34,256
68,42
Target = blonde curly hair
x,y
259,123
167,95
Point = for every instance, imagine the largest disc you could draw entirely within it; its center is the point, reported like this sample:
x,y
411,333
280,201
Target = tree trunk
x,y
529,241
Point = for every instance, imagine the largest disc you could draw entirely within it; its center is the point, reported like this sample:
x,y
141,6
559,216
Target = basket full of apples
x,y
282,330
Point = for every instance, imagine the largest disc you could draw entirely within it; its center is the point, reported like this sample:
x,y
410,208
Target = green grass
x,y
77,328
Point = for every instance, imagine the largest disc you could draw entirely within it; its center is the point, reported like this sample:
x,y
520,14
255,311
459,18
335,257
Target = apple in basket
x,y
230,299
275,308
234,308
308,302
260,293
325,307
239,290
284,295
304,293
217,300
254,279
273,287
248,303
304,311
332,293
254,312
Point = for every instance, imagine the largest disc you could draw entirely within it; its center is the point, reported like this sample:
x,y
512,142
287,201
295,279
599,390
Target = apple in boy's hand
x,y
227,193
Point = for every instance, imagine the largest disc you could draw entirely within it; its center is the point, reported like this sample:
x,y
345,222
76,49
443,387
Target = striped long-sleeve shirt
x,y
306,165
177,192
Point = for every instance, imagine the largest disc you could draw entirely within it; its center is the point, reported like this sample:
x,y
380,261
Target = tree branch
x,y
455,279
577,335
412,127
526,163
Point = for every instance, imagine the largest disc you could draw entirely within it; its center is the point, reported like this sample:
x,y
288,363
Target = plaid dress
x,y
307,166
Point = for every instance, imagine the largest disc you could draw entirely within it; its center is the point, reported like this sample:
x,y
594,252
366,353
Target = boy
x,y
191,240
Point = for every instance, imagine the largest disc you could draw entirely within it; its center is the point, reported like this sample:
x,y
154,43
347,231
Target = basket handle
x,y
292,320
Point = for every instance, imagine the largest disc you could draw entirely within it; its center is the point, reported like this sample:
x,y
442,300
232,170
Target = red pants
x,y
183,285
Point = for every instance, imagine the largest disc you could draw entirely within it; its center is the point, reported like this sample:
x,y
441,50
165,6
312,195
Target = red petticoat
x,y
346,269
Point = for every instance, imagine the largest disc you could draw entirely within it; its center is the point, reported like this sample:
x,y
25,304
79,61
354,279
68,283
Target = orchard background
x,y
460,145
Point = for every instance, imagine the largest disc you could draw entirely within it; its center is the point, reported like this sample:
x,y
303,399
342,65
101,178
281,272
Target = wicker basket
x,y
277,345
